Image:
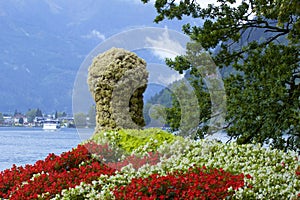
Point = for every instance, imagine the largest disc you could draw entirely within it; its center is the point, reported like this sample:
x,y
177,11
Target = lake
x,y
24,145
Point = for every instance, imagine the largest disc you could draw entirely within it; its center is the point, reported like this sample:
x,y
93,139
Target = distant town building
x,y
20,119
8,120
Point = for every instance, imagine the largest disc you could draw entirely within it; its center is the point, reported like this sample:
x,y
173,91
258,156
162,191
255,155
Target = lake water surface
x,y
22,146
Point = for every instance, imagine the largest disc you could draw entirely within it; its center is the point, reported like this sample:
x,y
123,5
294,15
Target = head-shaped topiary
x,y
117,80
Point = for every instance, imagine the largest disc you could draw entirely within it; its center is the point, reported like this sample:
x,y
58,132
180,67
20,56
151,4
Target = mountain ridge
x,y
44,43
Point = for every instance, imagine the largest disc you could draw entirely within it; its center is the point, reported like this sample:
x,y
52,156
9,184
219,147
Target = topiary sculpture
x,y
117,80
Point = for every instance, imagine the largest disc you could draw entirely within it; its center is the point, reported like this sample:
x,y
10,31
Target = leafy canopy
x,y
258,42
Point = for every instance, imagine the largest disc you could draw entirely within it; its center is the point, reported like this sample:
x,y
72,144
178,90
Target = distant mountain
x,y
43,43
152,91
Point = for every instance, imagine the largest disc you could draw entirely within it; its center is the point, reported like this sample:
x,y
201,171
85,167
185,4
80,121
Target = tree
x,y
39,113
21,120
60,114
64,114
31,114
162,98
262,104
260,40
17,113
80,119
92,116
174,116
1,118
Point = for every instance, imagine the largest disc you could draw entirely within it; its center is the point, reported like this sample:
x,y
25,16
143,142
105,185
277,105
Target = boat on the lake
x,y
51,125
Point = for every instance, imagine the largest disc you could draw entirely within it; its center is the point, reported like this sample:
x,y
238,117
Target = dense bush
x,y
131,140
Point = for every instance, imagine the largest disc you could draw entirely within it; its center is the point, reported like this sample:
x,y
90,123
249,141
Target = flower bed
x,y
47,178
169,170
199,183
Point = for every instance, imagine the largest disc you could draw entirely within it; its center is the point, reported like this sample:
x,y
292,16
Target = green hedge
x,y
131,140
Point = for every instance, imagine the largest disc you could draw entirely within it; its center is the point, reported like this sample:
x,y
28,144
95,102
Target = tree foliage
x,y
80,119
92,116
260,40
32,113
38,113
60,114
173,114
21,120
1,118
153,112
263,103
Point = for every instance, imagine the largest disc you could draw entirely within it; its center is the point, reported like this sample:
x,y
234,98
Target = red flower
x,y
199,183
57,173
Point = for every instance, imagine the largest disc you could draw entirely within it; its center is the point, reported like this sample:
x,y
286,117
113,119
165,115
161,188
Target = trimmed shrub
x,y
132,140
117,80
